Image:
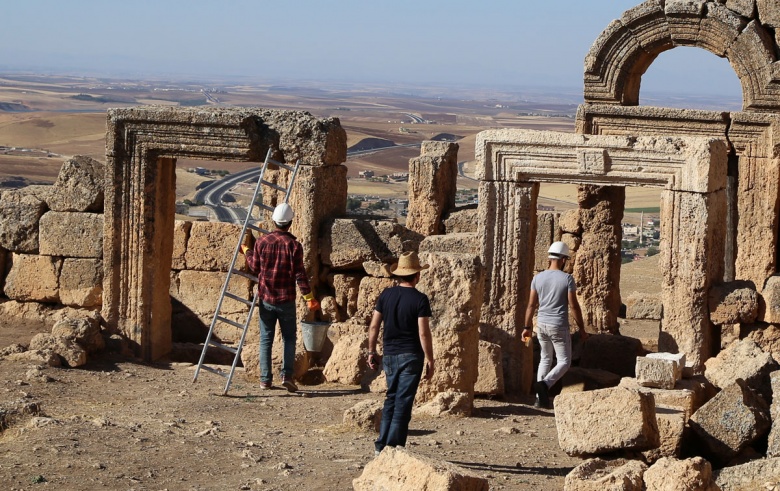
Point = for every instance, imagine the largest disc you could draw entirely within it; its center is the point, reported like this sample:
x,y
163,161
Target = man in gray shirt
x,y
554,292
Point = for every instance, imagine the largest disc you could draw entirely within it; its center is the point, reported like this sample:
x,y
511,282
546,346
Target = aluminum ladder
x,y
261,182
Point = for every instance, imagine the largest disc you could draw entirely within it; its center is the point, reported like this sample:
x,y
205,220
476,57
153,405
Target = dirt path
x,y
122,425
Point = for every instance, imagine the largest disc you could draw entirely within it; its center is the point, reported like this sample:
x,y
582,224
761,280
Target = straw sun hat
x,y
408,263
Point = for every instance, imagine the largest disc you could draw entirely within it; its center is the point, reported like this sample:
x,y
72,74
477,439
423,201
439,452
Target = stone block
x,y
4,256
346,288
742,360
211,245
732,420
759,474
364,416
546,233
766,336
733,303
676,359
73,354
20,213
588,423
81,282
606,475
652,372
671,425
368,294
745,8
432,178
773,448
348,243
377,269
681,399
768,13
79,186
578,379
181,234
670,474
462,243
490,378
613,353
398,469
71,234
348,361
447,403
461,220
570,222
33,279
644,306
771,301
85,331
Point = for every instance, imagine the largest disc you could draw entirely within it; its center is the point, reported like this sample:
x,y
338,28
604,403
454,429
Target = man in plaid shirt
x,y
277,258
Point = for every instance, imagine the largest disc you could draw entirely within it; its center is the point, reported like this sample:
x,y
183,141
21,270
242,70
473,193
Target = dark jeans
x,y
403,374
269,314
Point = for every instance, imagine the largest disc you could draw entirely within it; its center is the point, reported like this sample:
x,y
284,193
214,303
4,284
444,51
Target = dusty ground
x,y
124,425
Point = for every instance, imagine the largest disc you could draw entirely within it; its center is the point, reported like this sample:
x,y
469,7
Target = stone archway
x,y
692,173
141,150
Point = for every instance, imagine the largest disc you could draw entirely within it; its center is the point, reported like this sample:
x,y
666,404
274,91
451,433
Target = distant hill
x,y
370,144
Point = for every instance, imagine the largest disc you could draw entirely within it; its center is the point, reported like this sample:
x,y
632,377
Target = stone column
x,y
597,260
692,254
507,219
432,188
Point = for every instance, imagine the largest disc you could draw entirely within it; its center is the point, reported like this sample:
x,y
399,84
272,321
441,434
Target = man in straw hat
x,y
407,347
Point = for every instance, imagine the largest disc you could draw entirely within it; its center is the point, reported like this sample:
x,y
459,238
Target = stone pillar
x,y
3,259
692,258
597,260
432,188
507,220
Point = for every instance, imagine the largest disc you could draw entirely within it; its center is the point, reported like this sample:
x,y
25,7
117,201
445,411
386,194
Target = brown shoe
x,y
289,385
265,385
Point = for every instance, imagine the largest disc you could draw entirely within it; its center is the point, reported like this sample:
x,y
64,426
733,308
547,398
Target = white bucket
x,y
314,334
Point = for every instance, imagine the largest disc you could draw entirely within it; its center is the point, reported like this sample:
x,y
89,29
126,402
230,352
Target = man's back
x,y
277,259
553,287
401,307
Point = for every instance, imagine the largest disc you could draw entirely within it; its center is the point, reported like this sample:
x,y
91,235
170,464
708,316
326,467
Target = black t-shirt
x,y
400,307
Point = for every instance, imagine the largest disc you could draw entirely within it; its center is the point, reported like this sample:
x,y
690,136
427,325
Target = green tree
x,y
353,204
652,251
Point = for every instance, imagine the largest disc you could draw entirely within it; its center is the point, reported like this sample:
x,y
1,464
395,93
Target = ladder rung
x,y
258,229
214,370
272,185
265,207
238,299
246,275
228,321
223,346
279,164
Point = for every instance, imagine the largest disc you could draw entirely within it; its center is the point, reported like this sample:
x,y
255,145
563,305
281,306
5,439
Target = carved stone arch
x,y
628,46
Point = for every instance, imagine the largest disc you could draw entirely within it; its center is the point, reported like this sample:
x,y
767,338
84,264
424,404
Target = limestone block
x,y
771,300
181,234
432,187
671,425
670,474
38,357
81,282
732,420
578,379
79,186
745,8
766,336
346,287
546,233
773,448
676,359
348,362
73,354
368,294
606,475
447,403
742,360
20,213
364,416
768,13
732,303
613,353
490,378
250,358
588,423
454,284
462,243
377,269
350,242
330,310
461,220
33,279
4,256
758,474
682,399
570,222
398,469
652,372
71,234
85,331
211,245
644,306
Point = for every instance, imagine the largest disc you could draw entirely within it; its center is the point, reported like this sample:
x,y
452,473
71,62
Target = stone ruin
x,y
98,251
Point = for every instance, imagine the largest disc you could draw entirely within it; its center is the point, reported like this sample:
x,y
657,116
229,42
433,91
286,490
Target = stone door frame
x,y
511,164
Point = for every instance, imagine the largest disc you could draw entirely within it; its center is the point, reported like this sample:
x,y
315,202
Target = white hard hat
x,y
283,214
557,250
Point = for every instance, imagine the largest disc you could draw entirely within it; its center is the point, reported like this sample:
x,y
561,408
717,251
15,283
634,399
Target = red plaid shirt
x,y
277,259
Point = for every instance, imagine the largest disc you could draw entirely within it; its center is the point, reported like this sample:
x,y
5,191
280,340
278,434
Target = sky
x,y
491,43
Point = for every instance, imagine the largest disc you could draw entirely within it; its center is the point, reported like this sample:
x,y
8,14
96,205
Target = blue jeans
x,y
403,373
269,314
553,339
